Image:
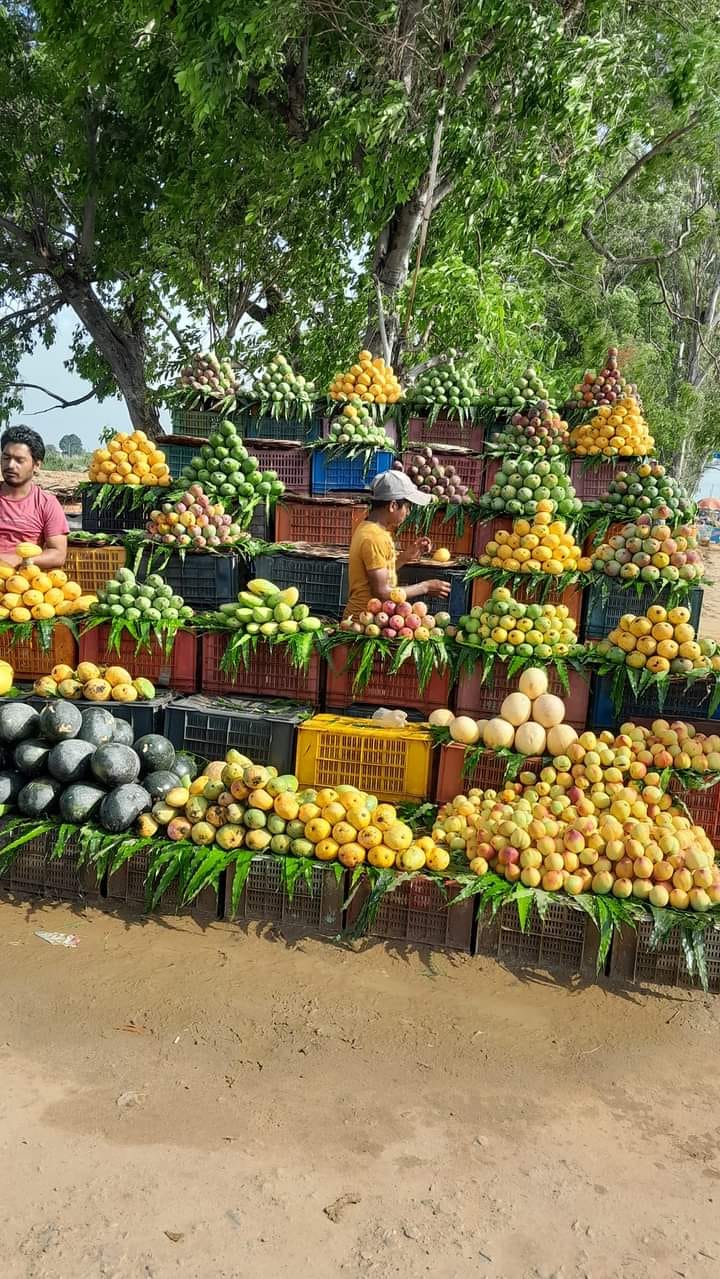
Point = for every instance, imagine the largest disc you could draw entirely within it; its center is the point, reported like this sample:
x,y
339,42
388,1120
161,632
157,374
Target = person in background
x,y
374,559
27,512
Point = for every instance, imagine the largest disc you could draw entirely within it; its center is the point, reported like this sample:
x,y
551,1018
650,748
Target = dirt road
x,y
232,1105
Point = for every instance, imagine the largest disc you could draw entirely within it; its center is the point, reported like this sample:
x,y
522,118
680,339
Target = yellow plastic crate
x,y
394,764
92,566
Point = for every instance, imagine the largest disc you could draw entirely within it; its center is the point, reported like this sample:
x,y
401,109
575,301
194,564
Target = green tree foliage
x,y
70,445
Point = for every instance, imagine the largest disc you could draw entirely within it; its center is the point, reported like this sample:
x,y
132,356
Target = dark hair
x,y
24,435
376,504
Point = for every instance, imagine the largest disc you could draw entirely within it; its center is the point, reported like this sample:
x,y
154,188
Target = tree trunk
x,y
123,351
391,268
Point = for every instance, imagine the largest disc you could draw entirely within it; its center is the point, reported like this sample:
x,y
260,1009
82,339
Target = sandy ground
x,y
710,616
225,1104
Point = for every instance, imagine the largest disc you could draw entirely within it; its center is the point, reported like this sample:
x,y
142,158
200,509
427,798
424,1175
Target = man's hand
x,y
421,546
437,589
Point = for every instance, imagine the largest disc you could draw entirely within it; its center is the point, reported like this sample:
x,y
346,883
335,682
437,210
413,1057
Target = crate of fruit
x,y
487,773
264,730
317,522
401,689
394,764
563,939
118,512
345,474
482,700
29,660
269,672
420,912
290,462
606,604
452,531
446,428
255,425
126,887
176,670
469,468
320,576
92,566
146,715
682,701
203,580
315,907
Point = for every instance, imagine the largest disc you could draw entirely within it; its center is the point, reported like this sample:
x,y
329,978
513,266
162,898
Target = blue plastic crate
x,y
304,430
458,601
686,703
178,454
344,475
603,611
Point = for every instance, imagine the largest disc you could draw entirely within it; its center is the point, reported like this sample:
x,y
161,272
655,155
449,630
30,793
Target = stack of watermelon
x,y
83,766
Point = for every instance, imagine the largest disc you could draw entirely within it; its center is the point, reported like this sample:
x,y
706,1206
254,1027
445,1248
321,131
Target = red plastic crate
x,y
469,467
382,688
703,806
178,670
318,522
291,461
416,912
269,673
446,430
483,701
485,533
594,481
488,774
441,534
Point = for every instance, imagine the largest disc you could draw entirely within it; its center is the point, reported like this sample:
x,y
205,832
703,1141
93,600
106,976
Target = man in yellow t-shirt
x,y
373,558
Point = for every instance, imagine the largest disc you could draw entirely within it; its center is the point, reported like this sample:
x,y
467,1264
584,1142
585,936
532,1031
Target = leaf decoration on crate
x,y
40,631
364,651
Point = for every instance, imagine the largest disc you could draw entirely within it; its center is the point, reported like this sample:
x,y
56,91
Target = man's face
x,y
399,511
17,465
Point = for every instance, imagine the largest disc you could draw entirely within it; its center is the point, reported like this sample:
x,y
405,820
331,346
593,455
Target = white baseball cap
x,y
396,486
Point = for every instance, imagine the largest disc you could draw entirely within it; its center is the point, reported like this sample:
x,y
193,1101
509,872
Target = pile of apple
x,y
660,640
397,618
648,487
194,522
650,551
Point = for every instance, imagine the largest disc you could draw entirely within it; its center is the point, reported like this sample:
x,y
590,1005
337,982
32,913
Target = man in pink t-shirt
x,y
27,512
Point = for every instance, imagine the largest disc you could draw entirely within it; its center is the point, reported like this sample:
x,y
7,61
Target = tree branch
x,y
87,234
647,259
381,321
658,148
62,402
470,66
413,374
686,319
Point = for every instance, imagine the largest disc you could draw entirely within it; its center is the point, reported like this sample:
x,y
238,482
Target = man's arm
x,y
54,552
380,585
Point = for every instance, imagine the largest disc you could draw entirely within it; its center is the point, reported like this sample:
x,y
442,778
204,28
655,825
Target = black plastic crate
x,y
126,887
265,731
632,958
417,912
145,717
35,873
321,580
203,580
565,939
254,426
262,524
111,518
315,908
458,601
602,612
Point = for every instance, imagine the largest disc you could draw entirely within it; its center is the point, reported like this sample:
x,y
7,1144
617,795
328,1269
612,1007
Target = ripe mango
x,y
117,675
87,671
70,688
124,693
97,690
46,686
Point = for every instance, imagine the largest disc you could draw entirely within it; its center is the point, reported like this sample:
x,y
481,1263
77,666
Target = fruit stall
x,y
526,769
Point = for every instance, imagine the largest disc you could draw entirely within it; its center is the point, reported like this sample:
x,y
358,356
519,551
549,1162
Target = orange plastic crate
x,y
383,689
29,661
269,673
488,774
483,700
441,534
178,670
92,566
318,523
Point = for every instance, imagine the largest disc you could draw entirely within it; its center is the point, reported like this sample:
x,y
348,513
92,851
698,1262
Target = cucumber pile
x,y
527,486
229,474
152,601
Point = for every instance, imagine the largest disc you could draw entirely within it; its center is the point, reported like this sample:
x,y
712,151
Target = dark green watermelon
x,y
122,807
30,757
79,801
98,726
155,752
10,783
185,765
37,798
123,731
18,721
70,761
60,720
115,764
158,784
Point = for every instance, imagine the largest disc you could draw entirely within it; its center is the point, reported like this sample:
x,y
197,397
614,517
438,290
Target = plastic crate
x,y
179,452
322,580
603,609
488,773
682,702
269,673
346,475
193,422
203,580
35,873
291,463
29,661
417,912
317,522
126,887
262,524
566,939
383,689
469,466
633,960
572,597
177,671
254,426
145,717
446,430
92,566
394,764
441,533
458,600
703,806
359,711
263,730
594,481
317,908
483,700
112,518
